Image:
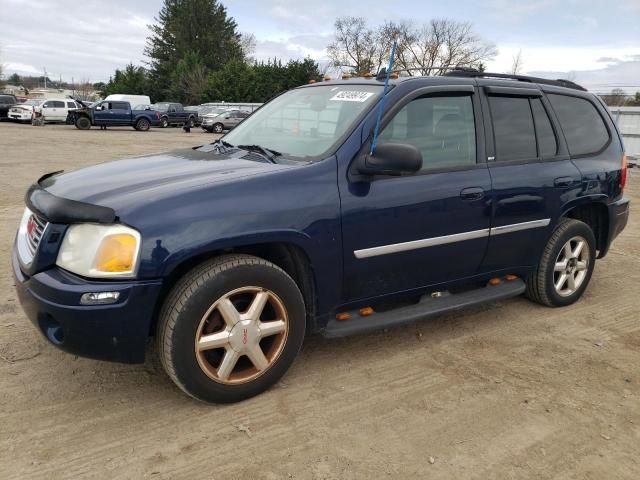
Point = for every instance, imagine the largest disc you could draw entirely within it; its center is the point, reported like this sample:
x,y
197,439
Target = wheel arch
x,y
594,212
286,254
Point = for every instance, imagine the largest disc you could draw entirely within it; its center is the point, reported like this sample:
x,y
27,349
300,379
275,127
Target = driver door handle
x,y
471,194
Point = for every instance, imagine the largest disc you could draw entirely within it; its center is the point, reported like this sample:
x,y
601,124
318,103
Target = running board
x,y
428,306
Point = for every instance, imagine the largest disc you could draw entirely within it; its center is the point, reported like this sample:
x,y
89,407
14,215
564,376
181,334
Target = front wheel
x,y
164,122
218,128
82,123
566,265
231,328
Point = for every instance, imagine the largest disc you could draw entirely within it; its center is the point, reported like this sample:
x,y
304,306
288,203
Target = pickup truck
x,y
113,114
340,208
174,114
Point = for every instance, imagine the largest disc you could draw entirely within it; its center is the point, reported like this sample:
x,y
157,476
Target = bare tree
x,y
617,98
426,49
248,46
356,45
84,90
518,64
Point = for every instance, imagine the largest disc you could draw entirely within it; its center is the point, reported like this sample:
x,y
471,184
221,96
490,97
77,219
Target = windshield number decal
x,y
351,96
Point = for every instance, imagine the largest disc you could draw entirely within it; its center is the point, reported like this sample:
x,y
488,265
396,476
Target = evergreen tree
x,y
132,80
199,29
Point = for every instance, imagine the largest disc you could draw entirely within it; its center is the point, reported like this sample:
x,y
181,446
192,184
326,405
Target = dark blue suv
x,y
480,188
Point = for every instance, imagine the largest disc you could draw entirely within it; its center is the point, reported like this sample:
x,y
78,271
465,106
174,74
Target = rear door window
x,y
547,142
119,106
513,128
583,127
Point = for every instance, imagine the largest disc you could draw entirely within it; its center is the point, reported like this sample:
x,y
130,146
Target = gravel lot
x,y
507,390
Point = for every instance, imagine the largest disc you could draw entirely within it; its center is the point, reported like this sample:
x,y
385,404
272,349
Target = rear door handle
x,y
472,193
563,182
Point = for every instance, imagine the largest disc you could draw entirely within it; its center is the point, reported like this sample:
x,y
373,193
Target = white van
x,y
132,99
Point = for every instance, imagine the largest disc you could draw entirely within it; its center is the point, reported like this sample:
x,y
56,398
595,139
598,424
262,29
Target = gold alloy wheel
x,y
241,335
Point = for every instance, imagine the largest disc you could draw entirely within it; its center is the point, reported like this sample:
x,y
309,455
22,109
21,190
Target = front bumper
x,y
117,332
20,116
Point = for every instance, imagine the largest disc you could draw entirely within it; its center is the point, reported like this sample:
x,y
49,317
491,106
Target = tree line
x,y
197,54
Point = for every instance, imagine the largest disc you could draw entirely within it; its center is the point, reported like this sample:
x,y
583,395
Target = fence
x,y
628,120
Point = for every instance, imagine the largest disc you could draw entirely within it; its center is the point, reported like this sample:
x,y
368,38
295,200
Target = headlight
x,y
100,251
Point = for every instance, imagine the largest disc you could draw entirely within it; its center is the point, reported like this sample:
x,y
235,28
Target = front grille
x,y
35,230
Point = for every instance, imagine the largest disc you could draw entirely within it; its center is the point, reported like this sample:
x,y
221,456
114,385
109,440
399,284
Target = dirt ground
x,y
507,390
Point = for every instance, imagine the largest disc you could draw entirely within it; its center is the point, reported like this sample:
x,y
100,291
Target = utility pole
x,y
45,77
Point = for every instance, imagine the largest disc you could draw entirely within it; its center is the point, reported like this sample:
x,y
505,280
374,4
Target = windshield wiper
x,y
266,152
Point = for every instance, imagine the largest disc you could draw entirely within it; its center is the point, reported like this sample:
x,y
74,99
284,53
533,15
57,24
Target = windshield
x,y
306,122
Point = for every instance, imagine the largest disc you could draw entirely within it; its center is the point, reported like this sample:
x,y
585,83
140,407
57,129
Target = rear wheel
x,y
142,125
566,265
83,123
218,128
191,123
231,328
164,122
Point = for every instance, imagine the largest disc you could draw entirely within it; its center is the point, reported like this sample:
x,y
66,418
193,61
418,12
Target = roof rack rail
x,y
383,71
521,78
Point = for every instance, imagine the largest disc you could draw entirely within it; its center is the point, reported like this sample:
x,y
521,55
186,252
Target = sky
x,y
594,42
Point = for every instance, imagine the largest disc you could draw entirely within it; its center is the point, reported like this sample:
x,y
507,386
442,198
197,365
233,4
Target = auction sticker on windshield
x,y
351,96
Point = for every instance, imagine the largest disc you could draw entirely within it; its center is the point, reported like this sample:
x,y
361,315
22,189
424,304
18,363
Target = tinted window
x,y
119,106
546,138
56,104
442,128
581,123
71,105
513,128
7,99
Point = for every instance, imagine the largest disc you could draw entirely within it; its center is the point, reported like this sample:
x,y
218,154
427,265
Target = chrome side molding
x,y
443,240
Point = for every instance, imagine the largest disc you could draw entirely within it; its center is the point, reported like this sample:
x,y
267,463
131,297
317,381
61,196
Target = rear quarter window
x,y
582,124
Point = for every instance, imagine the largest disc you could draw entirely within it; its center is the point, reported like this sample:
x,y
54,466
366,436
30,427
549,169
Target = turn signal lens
x,y
623,172
366,311
117,253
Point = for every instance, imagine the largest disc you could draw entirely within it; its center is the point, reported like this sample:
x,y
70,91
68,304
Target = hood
x,y
141,180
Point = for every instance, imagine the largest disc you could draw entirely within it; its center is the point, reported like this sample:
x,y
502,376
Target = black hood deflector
x,y
55,209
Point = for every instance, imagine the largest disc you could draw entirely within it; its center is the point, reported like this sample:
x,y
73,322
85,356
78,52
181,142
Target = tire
x,y
164,122
194,310
191,122
218,128
142,125
546,284
83,123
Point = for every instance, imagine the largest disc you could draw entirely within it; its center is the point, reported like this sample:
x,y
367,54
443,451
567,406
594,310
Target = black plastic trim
x,y
513,91
62,210
426,308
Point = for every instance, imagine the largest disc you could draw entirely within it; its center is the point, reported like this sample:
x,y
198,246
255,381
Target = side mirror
x,y
391,159
99,107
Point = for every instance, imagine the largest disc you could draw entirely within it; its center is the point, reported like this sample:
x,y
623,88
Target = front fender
x,y
172,261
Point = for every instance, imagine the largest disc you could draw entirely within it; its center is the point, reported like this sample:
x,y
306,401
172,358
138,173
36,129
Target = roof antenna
x,y
384,96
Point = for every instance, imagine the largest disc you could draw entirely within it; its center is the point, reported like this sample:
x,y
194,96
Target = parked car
x,y
479,188
113,114
174,114
23,112
219,122
6,102
56,109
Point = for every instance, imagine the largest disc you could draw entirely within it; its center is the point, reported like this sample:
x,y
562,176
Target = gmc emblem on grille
x,y
31,227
